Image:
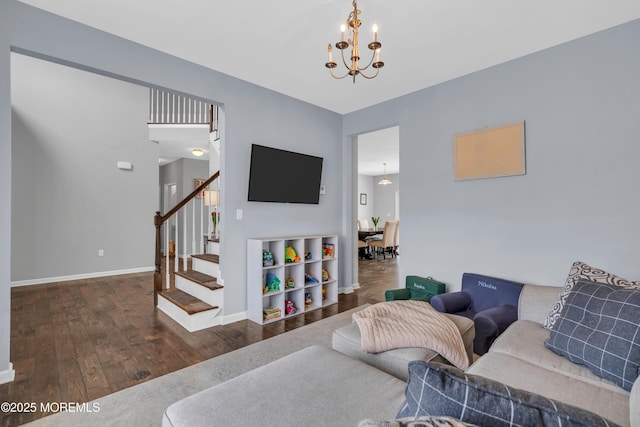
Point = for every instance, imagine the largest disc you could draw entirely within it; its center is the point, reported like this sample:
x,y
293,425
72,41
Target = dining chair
x,y
388,238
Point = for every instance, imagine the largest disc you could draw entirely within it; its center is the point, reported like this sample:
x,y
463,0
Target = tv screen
x,y
284,176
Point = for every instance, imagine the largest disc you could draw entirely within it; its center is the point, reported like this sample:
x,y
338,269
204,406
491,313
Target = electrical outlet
x,y
100,252
238,214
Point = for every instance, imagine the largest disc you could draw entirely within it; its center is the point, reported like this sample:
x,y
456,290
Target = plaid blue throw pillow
x,y
599,327
436,389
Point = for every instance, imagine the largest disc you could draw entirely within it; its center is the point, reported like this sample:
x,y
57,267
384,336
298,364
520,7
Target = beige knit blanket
x,y
406,323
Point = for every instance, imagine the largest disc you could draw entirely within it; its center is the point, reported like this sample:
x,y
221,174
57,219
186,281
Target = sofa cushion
x,y
599,327
610,402
439,390
524,340
580,270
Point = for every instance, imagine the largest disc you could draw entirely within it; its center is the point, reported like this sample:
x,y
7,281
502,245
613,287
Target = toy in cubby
x,y
328,250
267,258
325,275
290,283
308,256
271,284
270,313
307,300
290,255
324,293
310,279
289,307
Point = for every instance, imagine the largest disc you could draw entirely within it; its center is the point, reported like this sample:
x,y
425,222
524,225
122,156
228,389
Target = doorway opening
x,y
378,201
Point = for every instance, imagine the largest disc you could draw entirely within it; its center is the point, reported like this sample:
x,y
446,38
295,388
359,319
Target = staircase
x,y
187,287
196,299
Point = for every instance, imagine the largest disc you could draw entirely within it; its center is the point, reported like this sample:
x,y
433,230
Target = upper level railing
x,y
171,108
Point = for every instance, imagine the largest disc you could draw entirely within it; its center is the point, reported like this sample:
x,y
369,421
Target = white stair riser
x,y
213,248
215,298
206,267
191,322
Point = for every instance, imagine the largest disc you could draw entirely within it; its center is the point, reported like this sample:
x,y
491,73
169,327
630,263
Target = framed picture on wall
x,y
363,198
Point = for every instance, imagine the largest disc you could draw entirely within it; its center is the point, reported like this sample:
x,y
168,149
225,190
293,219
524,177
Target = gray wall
x,y
384,200
365,185
579,198
69,199
380,198
250,114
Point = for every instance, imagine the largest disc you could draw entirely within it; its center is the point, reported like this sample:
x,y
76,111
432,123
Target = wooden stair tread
x,y
186,302
200,278
208,257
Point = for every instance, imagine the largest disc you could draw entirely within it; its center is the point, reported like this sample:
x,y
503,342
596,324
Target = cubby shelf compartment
x,y
314,258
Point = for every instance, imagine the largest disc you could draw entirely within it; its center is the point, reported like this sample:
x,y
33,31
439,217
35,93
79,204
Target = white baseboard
x,y
8,375
235,317
347,290
80,276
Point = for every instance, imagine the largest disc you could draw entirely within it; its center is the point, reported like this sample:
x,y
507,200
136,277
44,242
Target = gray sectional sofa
x,y
520,359
321,386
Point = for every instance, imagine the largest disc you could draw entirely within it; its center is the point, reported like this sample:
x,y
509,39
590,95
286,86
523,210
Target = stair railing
x,y
159,220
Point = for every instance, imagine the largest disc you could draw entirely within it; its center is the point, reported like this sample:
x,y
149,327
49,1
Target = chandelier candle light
x,y
354,68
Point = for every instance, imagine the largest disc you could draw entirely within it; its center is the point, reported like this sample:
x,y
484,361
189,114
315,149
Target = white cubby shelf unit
x,y
309,282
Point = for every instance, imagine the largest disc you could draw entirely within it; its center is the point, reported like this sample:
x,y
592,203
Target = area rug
x,y
143,404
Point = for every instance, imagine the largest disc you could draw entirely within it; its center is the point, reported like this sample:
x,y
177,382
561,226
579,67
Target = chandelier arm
x,y
373,56
337,77
370,77
344,61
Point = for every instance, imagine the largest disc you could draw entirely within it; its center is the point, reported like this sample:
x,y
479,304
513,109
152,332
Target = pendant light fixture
x,y
385,180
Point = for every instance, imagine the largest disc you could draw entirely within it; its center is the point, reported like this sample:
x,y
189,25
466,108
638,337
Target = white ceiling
x,y
282,45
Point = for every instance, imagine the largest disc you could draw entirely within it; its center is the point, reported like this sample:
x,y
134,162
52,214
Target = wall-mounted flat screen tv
x,y
284,176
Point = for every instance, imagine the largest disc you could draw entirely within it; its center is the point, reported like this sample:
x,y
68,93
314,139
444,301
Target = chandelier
x,y
354,68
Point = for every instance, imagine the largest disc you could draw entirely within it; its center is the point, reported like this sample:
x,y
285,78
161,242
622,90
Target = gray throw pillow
x,y
583,271
599,327
436,389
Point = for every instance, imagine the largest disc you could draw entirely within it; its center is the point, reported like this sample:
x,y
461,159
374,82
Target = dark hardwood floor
x,y
81,340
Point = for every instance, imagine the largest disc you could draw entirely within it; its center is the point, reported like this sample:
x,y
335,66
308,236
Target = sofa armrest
x,y
634,404
397,294
536,302
453,302
490,323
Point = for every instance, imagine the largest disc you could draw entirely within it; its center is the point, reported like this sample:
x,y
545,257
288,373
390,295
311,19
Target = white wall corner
x,y
348,289
235,317
7,376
